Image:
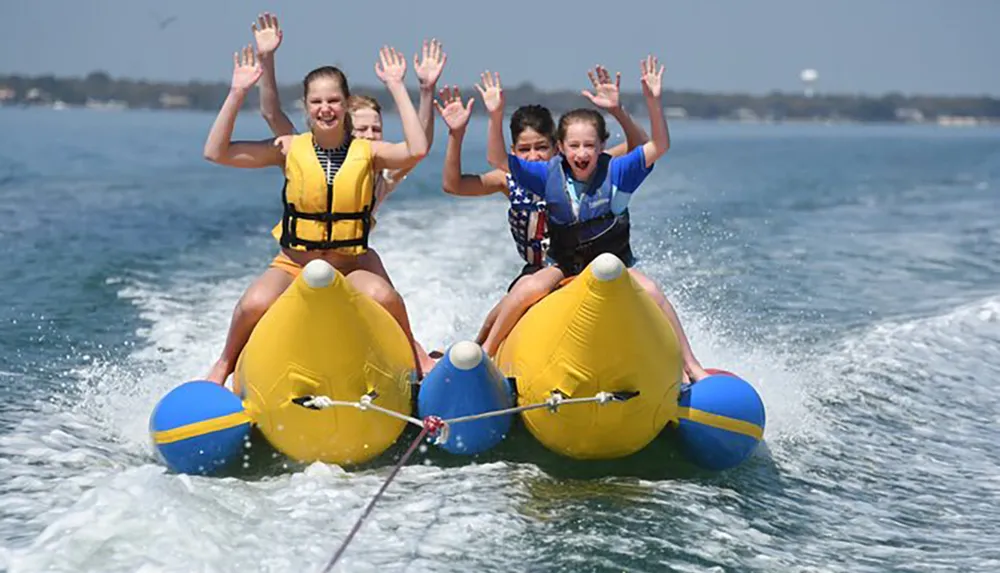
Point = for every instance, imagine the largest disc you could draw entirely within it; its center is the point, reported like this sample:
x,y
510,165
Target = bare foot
x,y
219,372
695,372
427,364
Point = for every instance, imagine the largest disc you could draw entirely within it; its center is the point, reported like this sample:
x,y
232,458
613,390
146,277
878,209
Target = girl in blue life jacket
x,y
533,133
586,193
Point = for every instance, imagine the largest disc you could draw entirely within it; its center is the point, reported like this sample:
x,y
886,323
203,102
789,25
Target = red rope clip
x,y
433,424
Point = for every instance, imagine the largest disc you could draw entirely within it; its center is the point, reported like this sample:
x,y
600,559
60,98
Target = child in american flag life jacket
x,y
533,139
532,131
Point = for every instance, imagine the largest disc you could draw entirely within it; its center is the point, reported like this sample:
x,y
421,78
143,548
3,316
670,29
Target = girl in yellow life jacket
x,y
365,112
366,123
329,190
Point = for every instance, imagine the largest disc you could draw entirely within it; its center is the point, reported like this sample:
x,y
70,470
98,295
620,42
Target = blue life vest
x,y
527,219
579,234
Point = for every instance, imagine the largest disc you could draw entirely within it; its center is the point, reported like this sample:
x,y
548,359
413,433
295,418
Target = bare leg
x,y
692,368
525,293
382,292
491,319
252,305
372,262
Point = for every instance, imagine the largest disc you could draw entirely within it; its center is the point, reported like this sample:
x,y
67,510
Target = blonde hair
x,y
358,102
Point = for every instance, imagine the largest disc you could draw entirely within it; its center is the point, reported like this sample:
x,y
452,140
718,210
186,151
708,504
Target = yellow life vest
x,y
318,215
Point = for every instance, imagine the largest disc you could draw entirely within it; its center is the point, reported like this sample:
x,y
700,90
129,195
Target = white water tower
x,y
808,77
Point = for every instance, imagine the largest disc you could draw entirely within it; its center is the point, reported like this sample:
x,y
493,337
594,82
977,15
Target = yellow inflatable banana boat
x,y
599,333
324,338
597,336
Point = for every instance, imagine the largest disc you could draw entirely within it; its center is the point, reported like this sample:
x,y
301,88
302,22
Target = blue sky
x,y
858,46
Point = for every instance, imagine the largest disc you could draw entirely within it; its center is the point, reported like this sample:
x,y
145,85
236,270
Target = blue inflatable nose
x,y
466,382
199,427
721,421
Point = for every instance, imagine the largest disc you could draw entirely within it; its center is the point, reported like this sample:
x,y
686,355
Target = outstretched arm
x,y
652,78
218,147
453,181
391,69
492,94
268,35
428,71
606,96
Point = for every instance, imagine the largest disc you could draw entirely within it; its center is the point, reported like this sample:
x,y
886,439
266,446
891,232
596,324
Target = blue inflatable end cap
x,y
199,427
722,420
465,382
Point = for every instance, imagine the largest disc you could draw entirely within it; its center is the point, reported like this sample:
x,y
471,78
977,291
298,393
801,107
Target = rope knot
x,y
433,424
436,427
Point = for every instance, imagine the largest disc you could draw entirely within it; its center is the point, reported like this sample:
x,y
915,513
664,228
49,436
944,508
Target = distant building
x,y
808,77
675,112
111,104
168,101
745,115
36,95
957,121
909,115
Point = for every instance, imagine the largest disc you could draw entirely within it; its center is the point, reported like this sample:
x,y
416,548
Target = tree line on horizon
x,y
777,106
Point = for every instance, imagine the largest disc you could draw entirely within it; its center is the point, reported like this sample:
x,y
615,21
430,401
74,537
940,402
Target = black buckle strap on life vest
x,y
291,216
572,252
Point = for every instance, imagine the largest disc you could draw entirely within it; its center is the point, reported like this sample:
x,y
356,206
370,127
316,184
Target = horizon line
x,y
529,84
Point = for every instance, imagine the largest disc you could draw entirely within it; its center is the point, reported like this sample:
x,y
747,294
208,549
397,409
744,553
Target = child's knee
x,y
530,290
651,288
654,292
255,302
383,293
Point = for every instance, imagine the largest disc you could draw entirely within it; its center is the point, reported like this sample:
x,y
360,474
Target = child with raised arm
x,y
325,159
365,112
532,131
586,194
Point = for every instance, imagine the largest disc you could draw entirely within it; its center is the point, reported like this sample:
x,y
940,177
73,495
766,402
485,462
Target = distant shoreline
x,y
100,91
642,118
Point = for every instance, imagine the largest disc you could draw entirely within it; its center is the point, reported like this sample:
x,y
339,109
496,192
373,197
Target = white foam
x,y
81,492
117,509
450,261
93,498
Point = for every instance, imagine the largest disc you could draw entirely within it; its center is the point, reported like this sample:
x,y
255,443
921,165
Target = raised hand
x,y
246,69
428,69
284,143
491,91
652,76
606,94
391,66
267,33
455,115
